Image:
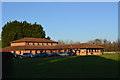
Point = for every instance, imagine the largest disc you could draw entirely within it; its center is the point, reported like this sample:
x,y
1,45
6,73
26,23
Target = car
x,y
71,53
38,54
16,55
50,54
28,55
55,54
44,54
63,54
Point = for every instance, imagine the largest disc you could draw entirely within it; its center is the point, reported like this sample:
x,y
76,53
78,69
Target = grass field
x,y
99,66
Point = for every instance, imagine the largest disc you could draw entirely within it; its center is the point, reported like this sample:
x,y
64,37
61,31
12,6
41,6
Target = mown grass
x,y
99,66
115,57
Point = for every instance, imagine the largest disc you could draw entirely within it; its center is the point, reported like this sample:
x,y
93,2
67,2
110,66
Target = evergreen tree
x,y
16,30
48,38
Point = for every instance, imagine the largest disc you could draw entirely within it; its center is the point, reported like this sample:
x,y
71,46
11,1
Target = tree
x,y
98,42
108,45
118,45
48,38
61,42
68,42
91,42
16,30
0,44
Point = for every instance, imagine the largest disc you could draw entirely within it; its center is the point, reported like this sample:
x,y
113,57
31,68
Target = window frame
x,y
38,43
28,43
33,43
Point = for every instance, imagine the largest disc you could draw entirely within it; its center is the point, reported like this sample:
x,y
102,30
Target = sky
x,y
77,21
59,0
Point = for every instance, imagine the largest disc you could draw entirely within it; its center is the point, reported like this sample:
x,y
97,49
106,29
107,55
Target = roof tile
x,y
27,39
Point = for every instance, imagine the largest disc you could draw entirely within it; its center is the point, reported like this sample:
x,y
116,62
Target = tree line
x,y
108,45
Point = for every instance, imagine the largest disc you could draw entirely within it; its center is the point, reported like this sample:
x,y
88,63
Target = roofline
x,y
35,42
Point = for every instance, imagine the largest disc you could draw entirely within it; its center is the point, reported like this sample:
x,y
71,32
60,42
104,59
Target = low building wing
x,y
65,46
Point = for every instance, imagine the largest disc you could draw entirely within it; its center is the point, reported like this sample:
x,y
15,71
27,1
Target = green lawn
x,y
100,66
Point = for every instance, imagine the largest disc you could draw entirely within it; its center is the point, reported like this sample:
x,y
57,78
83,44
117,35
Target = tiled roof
x,y
65,46
27,39
81,45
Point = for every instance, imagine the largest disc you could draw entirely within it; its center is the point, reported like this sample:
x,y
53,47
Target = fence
x,y
111,52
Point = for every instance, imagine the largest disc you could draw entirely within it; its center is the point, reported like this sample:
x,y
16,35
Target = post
x,y
86,51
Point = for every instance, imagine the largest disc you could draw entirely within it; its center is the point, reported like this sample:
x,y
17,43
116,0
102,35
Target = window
x,y
51,43
33,44
28,44
46,43
82,50
38,43
42,43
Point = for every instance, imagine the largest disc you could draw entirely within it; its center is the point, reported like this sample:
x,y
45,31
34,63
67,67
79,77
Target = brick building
x,y
40,45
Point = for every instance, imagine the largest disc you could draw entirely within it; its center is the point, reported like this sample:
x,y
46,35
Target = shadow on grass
x,y
63,67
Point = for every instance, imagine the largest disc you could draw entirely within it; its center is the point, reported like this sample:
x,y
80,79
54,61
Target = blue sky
x,y
77,21
59,0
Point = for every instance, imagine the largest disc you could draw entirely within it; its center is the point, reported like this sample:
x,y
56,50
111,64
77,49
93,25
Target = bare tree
x,y
61,42
67,42
108,45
